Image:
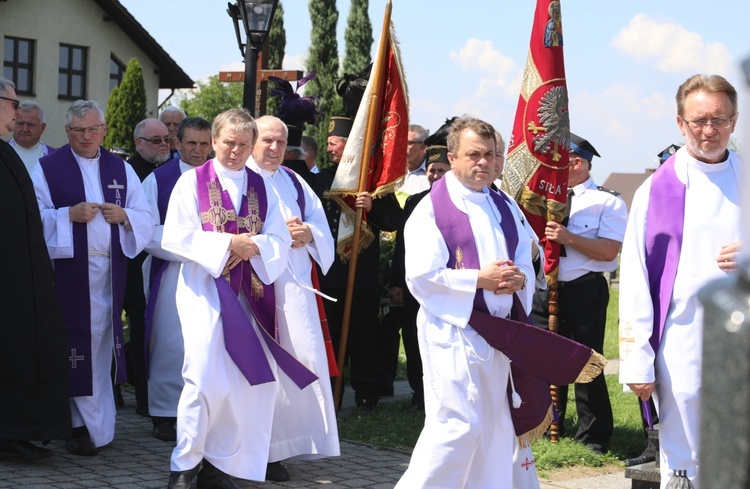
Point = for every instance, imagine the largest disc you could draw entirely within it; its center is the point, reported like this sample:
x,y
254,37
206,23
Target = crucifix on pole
x,y
262,74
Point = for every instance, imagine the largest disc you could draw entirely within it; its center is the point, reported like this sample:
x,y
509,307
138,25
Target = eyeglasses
x,y
701,124
15,102
157,140
80,131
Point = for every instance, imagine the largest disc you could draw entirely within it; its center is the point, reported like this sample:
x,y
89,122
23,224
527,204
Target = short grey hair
x,y
80,109
4,84
421,132
296,153
29,106
172,108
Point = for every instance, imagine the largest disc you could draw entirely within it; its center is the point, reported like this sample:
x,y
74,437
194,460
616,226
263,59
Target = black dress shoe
x,y
81,445
164,432
181,480
212,478
643,458
24,450
276,472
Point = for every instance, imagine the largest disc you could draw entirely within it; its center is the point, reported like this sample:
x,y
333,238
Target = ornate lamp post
x,y
255,18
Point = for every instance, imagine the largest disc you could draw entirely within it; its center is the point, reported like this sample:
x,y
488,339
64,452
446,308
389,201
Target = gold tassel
x,y
525,440
594,367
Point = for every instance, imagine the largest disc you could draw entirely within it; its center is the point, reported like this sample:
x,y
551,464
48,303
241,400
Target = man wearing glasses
x,y
34,385
152,142
683,231
95,216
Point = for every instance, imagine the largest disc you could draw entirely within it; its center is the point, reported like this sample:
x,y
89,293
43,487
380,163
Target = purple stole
x,y
72,274
240,340
663,241
166,178
538,357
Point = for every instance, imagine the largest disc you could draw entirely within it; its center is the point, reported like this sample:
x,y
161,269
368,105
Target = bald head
x,y
271,145
152,141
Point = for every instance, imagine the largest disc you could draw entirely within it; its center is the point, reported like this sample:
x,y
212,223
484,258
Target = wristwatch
x,y
525,279
127,221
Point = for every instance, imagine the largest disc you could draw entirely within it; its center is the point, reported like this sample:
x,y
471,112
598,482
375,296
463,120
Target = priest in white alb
x,y
95,216
304,420
683,232
224,220
161,269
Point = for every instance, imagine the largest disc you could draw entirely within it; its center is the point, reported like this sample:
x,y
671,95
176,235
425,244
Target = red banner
x,y
536,173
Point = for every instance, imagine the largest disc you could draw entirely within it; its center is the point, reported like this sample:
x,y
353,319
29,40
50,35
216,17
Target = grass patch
x,y
391,425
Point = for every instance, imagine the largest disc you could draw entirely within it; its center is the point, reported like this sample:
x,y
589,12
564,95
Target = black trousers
x,y
362,341
403,319
135,309
582,318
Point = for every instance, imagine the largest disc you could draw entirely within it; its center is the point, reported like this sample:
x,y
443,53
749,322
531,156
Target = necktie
x,y
566,217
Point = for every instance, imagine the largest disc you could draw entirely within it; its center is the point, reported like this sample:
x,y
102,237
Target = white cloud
x,y
671,47
494,73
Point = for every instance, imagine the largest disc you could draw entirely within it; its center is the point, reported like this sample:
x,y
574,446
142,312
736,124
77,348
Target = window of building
x,y
116,71
71,80
19,64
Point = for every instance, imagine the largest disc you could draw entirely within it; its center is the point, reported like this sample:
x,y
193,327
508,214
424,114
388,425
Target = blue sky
x,y
624,60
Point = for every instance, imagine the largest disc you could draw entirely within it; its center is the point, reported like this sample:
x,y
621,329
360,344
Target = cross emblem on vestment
x,y
74,359
116,187
527,463
118,346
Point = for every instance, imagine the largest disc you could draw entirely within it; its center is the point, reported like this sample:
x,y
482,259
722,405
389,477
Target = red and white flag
x,y
536,173
383,120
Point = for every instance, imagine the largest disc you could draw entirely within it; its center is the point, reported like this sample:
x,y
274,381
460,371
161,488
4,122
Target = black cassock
x,y
34,351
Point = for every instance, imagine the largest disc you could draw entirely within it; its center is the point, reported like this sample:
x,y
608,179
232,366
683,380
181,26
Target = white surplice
x,y
220,416
304,420
165,346
96,412
712,220
468,437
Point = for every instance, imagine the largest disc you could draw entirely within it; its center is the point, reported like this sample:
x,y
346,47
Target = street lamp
x,y
255,17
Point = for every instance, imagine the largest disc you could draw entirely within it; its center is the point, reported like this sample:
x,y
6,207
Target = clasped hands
x,y
501,277
300,232
86,212
241,248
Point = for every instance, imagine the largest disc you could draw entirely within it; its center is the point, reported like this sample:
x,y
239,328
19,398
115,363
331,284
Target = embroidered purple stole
x,y
66,187
166,178
240,339
538,357
663,241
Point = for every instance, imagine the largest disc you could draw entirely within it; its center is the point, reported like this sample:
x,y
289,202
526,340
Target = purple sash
x,y
166,178
71,274
537,356
663,241
240,339
298,188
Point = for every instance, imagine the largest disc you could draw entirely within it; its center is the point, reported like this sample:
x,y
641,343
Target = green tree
x,y
323,57
212,98
357,37
276,46
126,107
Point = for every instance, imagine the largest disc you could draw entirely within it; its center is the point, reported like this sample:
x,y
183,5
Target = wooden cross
x,y
261,89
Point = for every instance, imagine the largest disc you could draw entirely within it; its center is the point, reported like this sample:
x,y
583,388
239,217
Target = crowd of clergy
x,y
218,240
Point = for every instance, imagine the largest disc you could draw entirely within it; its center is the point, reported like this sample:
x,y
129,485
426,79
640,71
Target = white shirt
x,y
594,213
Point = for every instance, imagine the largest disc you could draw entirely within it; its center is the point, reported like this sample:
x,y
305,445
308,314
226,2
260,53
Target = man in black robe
x,y
33,366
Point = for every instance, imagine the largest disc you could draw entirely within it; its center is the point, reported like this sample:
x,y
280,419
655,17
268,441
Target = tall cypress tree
x,y
323,57
276,47
126,107
358,37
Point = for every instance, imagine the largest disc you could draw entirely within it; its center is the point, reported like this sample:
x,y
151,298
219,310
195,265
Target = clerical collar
x,y
83,159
